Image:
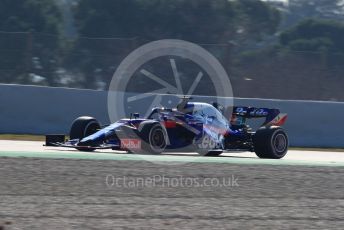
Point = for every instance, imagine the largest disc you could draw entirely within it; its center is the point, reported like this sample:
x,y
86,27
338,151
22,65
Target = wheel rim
x,y
280,143
157,139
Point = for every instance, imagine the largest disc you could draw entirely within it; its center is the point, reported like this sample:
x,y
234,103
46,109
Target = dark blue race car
x,y
191,126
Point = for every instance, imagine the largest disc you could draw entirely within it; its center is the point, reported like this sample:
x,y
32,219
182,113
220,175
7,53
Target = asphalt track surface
x,y
47,188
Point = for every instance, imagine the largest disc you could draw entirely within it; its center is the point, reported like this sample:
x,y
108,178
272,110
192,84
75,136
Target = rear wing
x,y
273,117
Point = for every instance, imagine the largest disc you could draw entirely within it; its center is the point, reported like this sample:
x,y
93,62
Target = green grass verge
x,y
22,137
317,149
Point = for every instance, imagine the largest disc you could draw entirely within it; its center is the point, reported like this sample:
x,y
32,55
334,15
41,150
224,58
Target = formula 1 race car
x,y
191,126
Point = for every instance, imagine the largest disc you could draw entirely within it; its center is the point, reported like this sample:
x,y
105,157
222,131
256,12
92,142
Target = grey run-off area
x,y
73,194
41,189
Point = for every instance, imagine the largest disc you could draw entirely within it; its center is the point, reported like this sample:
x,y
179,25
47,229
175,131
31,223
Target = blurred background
x,y
271,49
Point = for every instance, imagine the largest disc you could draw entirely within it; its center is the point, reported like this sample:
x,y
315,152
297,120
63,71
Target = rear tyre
x,y
153,137
83,127
271,143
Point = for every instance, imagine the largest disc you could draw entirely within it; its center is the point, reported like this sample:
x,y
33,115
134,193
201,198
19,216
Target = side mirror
x,y
136,115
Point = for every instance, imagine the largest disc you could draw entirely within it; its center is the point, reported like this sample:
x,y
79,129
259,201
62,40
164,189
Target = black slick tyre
x,y
83,127
271,143
153,138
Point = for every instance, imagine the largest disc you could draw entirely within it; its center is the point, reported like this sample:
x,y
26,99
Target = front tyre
x,y
83,127
271,143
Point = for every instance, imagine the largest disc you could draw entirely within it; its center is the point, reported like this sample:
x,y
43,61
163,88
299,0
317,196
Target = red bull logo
x,y
130,144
